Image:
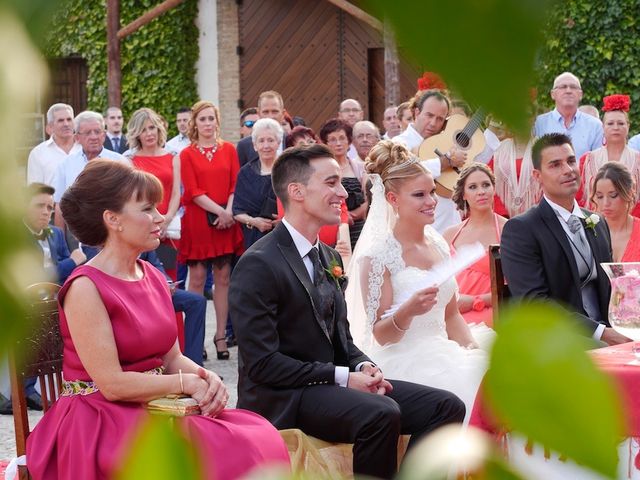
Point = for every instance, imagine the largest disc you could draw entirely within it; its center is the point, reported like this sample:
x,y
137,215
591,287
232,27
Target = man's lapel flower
x,y
591,221
337,274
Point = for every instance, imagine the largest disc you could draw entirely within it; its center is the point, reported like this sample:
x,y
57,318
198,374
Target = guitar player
x,y
430,110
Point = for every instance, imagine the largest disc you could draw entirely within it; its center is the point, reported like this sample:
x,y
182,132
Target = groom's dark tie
x,y
325,290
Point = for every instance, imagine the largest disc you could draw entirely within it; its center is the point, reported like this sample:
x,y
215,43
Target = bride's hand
x,y
421,301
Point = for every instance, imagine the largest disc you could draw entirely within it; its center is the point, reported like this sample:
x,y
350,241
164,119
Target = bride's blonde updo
x,y
394,163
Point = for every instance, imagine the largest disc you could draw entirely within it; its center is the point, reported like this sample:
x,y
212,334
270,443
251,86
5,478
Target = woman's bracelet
x,y
397,327
181,384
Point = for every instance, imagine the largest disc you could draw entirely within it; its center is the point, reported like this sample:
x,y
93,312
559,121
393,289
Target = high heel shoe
x,y
222,354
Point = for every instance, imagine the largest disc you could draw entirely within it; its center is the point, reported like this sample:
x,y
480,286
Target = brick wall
x,y
228,69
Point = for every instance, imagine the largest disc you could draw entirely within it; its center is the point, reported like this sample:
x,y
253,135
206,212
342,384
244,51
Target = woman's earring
x,y
464,210
120,229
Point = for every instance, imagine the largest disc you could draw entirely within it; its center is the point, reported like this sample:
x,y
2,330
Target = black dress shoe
x,y
34,402
5,406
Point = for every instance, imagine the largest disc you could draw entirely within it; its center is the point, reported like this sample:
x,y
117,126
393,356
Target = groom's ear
x,y
295,191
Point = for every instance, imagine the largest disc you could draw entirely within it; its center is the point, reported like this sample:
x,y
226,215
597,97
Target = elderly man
x,y
430,110
391,123
180,141
365,136
584,130
115,139
90,133
350,111
270,105
45,157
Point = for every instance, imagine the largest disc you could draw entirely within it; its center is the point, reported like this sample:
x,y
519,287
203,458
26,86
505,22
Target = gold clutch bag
x,y
174,406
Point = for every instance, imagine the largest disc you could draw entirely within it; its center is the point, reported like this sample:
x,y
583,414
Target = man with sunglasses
x,y
270,105
248,118
584,130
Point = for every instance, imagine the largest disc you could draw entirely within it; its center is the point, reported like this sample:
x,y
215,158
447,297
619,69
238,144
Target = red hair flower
x,y
616,102
430,80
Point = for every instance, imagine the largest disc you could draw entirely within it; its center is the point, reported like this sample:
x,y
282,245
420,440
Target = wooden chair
x,y
499,289
38,355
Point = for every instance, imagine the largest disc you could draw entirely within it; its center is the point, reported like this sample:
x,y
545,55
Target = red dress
x,y
632,251
162,167
217,180
85,436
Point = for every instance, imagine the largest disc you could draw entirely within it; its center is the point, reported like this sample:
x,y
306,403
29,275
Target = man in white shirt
x,y
180,141
365,136
115,139
430,110
350,111
391,123
45,157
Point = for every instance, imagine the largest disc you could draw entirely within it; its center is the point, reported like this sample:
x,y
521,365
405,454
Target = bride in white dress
x,y
412,328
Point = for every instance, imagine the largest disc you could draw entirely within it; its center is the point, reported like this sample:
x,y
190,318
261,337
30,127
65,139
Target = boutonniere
x,y
336,273
591,221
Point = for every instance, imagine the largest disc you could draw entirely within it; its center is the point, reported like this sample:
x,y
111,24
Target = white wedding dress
x,y
424,355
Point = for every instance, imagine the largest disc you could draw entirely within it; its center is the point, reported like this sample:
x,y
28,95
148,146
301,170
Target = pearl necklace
x,y
208,151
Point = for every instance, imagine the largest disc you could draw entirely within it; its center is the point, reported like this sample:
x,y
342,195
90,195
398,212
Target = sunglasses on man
x,y
249,123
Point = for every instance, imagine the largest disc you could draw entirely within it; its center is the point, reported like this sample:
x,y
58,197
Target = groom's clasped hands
x,y
369,379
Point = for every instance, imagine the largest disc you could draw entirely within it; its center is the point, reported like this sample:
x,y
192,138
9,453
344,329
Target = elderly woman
x,y
337,135
254,202
210,235
616,130
147,136
614,197
121,349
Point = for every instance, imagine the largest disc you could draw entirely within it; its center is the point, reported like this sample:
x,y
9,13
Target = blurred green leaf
x,y
34,14
160,452
543,384
483,49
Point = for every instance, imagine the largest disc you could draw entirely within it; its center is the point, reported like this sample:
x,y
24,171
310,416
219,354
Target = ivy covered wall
x,y
158,60
599,41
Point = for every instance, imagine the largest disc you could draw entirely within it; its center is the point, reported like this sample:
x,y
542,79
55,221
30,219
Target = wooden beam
x,y
391,66
114,73
358,13
146,17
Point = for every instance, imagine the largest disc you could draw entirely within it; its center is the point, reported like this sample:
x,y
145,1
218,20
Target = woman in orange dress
x,y
614,197
616,130
210,235
473,194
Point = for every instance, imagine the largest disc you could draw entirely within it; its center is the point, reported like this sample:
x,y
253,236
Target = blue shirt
x,y
634,142
69,169
585,131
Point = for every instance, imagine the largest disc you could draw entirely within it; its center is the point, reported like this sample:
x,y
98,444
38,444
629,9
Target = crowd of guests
x,y
248,217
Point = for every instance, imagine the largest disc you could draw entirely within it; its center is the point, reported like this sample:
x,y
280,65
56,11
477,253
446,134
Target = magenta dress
x,y
85,436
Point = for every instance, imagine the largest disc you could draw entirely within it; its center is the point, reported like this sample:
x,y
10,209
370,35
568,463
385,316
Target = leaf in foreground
x,y
543,384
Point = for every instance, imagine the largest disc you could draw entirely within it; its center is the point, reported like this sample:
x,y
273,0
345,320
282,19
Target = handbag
x,y
174,227
212,217
174,406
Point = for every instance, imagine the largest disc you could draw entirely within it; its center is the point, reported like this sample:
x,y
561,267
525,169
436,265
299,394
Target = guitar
x,y
461,132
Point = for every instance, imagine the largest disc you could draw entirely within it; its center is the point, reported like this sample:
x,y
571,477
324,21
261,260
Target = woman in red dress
x,y
210,235
147,135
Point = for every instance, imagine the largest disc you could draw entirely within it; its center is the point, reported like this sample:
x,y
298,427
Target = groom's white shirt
x,y
563,216
304,247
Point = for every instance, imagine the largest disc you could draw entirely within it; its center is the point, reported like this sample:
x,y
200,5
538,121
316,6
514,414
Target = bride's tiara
x,y
409,161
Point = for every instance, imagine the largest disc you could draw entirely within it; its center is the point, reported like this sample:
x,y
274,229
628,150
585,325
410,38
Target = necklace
x,y
208,151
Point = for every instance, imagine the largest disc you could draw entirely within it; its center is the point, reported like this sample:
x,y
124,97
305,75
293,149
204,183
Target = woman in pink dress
x,y
121,351
473,194
614,197
209,168
147,136
615,122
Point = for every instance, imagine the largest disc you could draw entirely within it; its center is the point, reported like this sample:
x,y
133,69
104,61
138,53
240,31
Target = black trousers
x,y
373,422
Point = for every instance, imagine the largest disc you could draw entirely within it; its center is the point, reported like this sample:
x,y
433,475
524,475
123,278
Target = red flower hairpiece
x,y
430,80
616,102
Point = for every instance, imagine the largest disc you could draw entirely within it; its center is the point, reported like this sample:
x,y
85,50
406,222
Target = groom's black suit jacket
x,y
538,261
284,345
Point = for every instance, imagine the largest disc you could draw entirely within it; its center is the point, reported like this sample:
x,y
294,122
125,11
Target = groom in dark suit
x,y
554,250
298,366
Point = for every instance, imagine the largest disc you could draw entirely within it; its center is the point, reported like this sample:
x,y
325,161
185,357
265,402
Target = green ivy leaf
x,y
543,384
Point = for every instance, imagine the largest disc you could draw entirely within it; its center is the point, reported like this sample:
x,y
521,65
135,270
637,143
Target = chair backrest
x,y
499,288
38,355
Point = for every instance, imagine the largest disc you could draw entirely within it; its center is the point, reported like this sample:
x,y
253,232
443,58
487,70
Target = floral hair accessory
x,y
591,221
616,102
431,80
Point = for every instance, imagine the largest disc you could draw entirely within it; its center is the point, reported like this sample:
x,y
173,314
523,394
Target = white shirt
x,y
178,143
44,160
563,214
304,247
411,139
